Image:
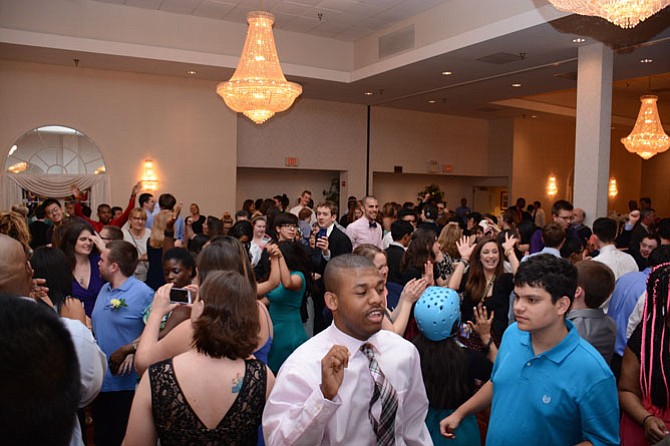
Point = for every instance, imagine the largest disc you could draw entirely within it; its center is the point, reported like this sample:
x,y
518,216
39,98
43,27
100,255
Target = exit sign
x,y
291,161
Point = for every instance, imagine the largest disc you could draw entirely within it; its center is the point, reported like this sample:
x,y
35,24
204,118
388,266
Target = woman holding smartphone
x,y
175,405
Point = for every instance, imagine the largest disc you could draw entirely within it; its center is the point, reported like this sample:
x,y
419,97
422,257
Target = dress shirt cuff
x,y
627,227
326,257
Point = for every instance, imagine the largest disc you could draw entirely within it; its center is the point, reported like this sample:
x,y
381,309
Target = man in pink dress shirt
x,y
366,229
323,391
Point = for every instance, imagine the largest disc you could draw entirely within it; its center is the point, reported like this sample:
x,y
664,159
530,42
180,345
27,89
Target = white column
x,y
592,140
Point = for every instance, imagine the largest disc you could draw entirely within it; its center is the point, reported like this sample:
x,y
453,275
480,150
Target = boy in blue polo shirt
x,y
548,385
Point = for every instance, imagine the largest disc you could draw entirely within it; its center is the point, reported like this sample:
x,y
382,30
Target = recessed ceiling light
x,y
579,40
368,93
645,60
447,73
516,85
191,72
533,116
432,101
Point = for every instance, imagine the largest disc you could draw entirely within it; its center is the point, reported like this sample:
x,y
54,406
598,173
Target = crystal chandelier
x,y
624,13
647,138
258,87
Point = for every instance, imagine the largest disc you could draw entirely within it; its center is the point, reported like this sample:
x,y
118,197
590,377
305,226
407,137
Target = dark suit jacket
x,y
394,256
338,244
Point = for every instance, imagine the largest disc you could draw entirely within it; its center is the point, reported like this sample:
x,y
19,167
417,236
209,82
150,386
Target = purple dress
x,y
90,294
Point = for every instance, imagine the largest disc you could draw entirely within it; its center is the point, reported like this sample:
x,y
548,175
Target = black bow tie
x,y
373,224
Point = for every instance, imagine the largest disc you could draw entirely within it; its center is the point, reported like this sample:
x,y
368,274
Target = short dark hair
x,y
115,233
400,228
144,198
553,235
572,245
242,213
659,255
103,206
242,228
556,276
284,218
228,326
39,371
49,201
654,237
597,281
167,202
116,209
430,211
336,267
645,200
123,254
561,205
645,212
181,255
404,212
605,229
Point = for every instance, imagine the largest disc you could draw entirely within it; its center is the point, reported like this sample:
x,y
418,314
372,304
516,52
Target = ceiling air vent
x,y
501,58
396,42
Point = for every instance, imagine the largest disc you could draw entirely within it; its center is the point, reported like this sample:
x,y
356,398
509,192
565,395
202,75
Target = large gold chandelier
x,y
648,137
258,87
624,13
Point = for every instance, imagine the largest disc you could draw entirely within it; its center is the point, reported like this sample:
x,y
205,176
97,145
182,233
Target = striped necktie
x,y
385,427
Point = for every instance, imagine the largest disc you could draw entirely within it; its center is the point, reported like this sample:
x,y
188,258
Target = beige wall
x,y
655,183
322,135
544,147
180,123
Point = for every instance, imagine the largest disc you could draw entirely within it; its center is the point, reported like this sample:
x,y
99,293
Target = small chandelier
x,y
647,138
623,13
258,87
612,190
552,188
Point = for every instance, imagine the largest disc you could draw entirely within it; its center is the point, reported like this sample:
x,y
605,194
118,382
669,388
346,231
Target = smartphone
x,y
180,296
322,233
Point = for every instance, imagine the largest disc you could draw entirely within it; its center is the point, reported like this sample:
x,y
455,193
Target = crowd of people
x,y
405,324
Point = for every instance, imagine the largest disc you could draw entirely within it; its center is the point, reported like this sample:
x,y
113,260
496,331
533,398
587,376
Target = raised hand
x,y
332,370
465,248
414,289
509,243
482,323
136,188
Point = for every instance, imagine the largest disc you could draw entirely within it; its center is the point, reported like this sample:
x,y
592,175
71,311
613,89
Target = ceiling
x,y
542,59
338,19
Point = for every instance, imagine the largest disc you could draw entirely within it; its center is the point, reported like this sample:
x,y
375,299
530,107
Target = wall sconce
x,y
552,188
612,190
149,180
18,167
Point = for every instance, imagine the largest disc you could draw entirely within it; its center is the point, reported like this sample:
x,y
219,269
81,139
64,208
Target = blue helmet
x,y
438,313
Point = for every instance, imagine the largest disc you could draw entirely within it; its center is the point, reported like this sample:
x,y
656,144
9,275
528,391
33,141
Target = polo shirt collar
x,y
125,286
560,351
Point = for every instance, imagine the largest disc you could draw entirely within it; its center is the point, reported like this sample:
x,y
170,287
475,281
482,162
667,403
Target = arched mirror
x,y
46,161
54,149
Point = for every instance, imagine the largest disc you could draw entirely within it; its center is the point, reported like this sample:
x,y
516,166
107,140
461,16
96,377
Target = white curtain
x,y
56,186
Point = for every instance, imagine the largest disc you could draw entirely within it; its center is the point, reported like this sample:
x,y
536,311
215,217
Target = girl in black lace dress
x,y
211,394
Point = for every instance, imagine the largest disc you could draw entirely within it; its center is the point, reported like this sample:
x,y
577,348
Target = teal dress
x,y
289,333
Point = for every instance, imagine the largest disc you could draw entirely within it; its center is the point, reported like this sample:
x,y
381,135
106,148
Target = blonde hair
x,y
138,212
157,236
14,225
449,235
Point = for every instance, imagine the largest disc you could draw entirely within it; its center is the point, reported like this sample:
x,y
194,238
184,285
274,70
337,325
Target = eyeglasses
x,y
138,219
289,226
53,211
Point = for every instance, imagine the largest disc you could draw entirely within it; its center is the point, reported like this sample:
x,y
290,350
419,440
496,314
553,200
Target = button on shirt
x,y
296,412
360,232
115,328
562,396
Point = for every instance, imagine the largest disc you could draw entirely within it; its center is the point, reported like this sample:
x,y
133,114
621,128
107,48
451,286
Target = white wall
x,y
180,123
266,183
